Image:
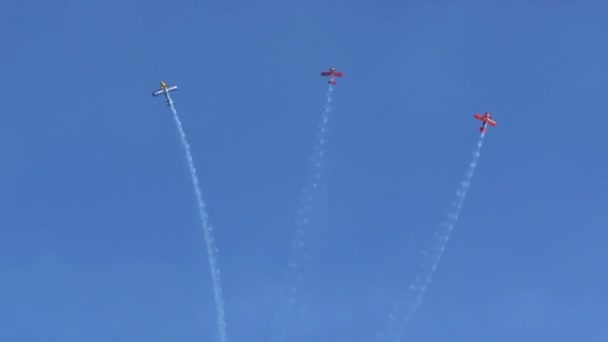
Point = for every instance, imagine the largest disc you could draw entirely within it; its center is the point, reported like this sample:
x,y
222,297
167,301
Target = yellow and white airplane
x,y
164,89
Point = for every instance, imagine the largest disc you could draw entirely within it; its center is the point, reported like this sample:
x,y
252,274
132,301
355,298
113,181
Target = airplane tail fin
x,y
482,130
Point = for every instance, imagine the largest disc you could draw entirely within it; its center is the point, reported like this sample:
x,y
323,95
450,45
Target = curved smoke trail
x,y
297,255
402,314
211,248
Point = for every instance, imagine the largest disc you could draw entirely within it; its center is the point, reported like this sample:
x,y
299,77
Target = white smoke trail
x,y
402,314
297,256
207,230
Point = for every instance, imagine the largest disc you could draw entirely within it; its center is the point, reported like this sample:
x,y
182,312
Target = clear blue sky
x,y
101,240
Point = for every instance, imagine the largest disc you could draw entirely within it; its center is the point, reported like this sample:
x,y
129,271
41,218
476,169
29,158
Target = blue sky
x,y
101,240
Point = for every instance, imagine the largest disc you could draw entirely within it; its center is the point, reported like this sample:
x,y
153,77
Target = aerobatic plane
x,y
332,73
164,89
486,119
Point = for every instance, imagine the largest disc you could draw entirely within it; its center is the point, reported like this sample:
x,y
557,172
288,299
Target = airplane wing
x,y
478,117
161,91
491,122
338,73
325,73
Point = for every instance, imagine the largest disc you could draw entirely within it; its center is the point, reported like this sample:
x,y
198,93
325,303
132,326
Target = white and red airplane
x,y
332,73
486,119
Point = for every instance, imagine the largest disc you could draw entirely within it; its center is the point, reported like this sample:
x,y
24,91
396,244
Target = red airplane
x,y
487,120
331,73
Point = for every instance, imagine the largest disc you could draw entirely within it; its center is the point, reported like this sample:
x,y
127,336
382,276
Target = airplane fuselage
x,y
483,127
169,101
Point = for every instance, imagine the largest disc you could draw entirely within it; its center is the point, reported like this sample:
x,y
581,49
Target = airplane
x,y
164,89
487,120
332,72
